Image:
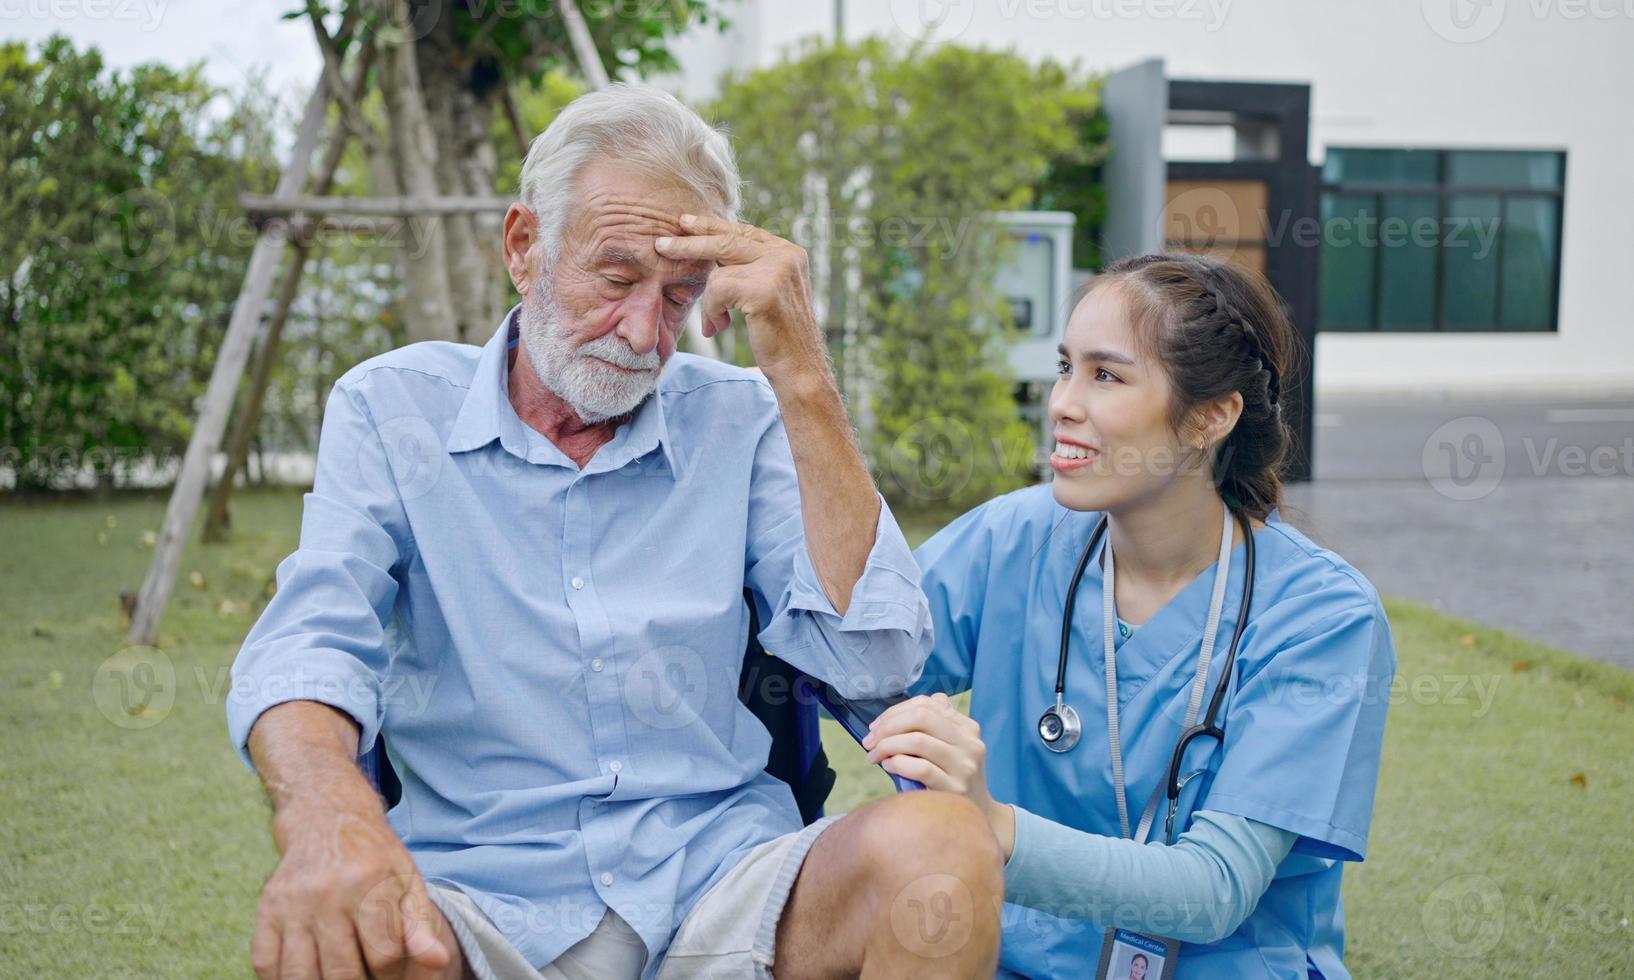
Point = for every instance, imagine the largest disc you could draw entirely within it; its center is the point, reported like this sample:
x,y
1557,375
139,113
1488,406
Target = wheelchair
x,y
793,718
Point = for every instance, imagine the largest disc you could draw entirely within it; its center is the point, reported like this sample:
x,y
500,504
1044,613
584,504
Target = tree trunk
x,y
428,310
460,106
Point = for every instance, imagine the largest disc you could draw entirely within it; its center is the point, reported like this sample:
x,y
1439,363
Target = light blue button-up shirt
x,y
552,654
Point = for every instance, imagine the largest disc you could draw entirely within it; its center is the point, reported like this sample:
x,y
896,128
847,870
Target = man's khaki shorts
x,y
731,932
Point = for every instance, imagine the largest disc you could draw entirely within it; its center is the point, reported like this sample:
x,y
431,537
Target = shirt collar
x,y
486,414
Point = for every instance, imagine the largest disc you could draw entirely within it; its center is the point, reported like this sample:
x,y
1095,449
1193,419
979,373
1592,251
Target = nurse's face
x,y
1114,445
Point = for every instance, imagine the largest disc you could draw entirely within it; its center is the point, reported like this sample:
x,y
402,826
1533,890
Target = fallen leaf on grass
x,y
1521,666
1580,780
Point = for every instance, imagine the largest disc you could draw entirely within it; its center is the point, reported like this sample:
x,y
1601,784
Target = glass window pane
x,y
1380,166
1529,263
1408,238
1504,168
1470,258
1346,301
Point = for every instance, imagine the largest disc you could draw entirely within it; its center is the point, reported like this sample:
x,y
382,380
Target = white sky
x,y
231,37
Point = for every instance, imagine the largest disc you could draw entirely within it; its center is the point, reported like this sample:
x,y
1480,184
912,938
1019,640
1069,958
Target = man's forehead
x,y
638,251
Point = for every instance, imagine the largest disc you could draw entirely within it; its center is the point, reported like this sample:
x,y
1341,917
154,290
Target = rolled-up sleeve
x,y
879,646
323,636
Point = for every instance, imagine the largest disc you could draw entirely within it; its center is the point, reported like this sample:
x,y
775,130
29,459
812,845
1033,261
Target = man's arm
x,y
306,699
766,278
345,885
838,503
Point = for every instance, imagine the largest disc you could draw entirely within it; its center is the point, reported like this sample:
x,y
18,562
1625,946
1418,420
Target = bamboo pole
x,y
217,518
228,371
584,47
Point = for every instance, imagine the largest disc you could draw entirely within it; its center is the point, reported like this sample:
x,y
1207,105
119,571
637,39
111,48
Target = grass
x,y
134,845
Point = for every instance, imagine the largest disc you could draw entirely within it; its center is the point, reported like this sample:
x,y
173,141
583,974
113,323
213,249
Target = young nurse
x,y
1168,424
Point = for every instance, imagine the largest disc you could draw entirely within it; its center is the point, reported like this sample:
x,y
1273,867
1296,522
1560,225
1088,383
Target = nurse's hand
x,y
928,739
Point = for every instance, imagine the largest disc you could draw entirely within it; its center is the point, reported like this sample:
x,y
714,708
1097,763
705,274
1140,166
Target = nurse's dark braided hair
x,y
1217,328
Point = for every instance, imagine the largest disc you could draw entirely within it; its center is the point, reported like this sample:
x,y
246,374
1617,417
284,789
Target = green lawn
x,y
133,844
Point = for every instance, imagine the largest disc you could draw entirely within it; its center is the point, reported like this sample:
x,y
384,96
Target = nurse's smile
x,y
1070,455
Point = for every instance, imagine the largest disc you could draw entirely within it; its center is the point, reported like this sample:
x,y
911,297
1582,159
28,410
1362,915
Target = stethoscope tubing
x,y
1209,725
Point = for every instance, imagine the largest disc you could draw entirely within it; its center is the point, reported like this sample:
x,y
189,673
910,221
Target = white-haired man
x,y
523,566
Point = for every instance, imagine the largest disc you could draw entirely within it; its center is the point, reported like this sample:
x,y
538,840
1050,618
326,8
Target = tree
x,y
121,247
887,164
447,71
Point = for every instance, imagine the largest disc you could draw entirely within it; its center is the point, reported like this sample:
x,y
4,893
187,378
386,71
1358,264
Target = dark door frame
x,y
1291,203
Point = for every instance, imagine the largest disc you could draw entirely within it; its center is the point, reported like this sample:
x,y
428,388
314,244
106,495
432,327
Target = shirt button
x,y
596,665
578,583
615,765
606,878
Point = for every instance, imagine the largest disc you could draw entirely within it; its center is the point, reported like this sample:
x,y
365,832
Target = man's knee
x,y
912,835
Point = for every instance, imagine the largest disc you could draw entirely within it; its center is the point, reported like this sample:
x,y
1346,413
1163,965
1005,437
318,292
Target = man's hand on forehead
x,y
761,275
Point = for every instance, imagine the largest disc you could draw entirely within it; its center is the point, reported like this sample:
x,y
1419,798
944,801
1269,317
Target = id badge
x,y
1127,955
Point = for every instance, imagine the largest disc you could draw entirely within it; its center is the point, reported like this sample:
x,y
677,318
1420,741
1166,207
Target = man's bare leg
x,y
908,886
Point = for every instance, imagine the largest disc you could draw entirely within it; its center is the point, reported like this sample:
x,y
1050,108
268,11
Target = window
x,y
1459,240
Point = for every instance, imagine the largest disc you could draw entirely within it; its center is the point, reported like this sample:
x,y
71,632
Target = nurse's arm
x,y
1199,890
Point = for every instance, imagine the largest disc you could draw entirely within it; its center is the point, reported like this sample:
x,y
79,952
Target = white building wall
x,y
1523,74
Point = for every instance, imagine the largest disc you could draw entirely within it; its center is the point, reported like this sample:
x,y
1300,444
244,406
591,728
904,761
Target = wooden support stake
x,y
584,46
224,379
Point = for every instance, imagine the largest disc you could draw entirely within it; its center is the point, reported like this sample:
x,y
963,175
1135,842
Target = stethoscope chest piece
x,y
1060,728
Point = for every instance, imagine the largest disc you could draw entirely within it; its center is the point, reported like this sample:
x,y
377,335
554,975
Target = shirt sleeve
x,y
955,564
1304,732
1198,890
322,637
879,646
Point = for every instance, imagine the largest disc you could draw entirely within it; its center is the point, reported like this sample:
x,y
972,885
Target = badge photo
x,y
1127,955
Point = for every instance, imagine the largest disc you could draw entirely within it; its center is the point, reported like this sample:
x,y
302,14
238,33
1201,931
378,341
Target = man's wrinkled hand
x,y
764,277
346,901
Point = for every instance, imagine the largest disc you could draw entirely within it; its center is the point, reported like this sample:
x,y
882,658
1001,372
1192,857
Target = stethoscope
x,y
1060,727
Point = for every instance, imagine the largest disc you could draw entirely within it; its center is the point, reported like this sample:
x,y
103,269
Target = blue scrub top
x,y
1304,716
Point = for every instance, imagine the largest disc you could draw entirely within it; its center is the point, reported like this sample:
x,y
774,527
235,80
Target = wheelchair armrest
x,y
855,715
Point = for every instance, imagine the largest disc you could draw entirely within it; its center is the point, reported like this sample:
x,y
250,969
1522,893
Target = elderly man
x,y
523,566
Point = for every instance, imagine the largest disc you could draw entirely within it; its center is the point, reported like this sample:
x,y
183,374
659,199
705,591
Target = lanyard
x,y
1222,571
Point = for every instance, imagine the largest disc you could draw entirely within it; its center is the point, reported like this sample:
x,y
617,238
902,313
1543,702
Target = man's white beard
x,y
577,375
